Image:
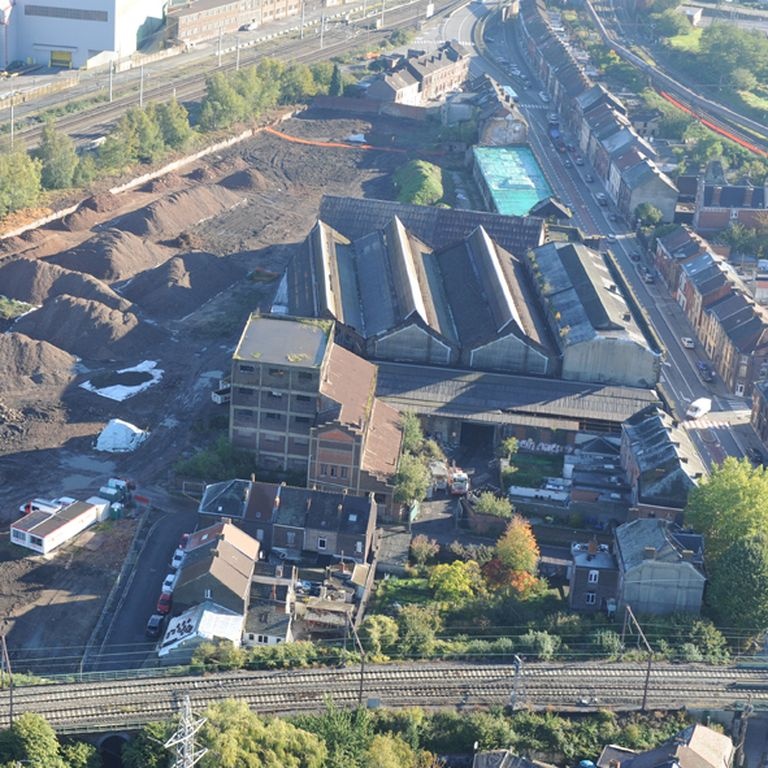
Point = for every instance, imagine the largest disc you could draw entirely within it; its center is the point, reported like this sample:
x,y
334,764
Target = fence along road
x,y
103,706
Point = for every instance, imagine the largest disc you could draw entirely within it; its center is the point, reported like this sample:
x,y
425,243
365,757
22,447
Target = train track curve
x,y
115,705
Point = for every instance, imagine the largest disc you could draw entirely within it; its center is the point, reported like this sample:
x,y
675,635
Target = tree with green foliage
x,y
726,48
236,737
670,23
32,742
20,185
517,548
508,447
455,583
146,750
173,121
149,145
648,215
346,733
120,148
336,86
737,592
490,504
57,156
222,105
728,506
80,754
379,634
423,549
297,84
411,481
413,436
418,625
85,170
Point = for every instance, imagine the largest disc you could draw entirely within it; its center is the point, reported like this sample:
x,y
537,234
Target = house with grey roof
x,y
500,123
694,747
661,568
675,249
397,296
504,758
719,204
661,464
598,337
593,577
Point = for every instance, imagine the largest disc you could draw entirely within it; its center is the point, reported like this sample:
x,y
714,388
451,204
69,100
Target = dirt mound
x,y
163,183
182,284
113,255
89,211
34,281
26,363
247,179
89,329
181,210
206,173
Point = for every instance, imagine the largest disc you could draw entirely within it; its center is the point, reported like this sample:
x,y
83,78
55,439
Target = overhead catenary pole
x,y
111,77
322,29
631,620
301,25
361,651
221,34
6,667
141,86
13,94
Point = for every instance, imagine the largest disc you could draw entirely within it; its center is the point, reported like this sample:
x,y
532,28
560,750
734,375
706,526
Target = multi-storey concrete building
x,y
303,404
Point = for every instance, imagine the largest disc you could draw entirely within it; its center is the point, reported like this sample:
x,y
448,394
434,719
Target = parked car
x,y
250,27
589,177
579,160
601,198
177,559
705,370
170,582
612,217
164,603
755,455
700,407
567,163
688,342
183,540
155,625
635,256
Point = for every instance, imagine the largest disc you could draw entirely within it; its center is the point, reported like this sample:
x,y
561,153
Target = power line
x,y
183,740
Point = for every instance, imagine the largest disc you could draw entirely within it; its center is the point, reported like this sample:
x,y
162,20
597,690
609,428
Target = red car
x,y
164,603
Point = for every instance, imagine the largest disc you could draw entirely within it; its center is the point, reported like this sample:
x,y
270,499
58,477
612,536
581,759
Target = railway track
x,y
99,118
84,707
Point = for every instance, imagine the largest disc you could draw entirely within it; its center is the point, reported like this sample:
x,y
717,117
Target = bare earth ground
x,y
167,273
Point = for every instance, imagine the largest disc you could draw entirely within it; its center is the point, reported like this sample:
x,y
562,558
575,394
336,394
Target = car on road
x,y
170,582
183,540
698,408
515,71
688,342
567,163
755,455
634,256
611,238
155,625
579,160
612,217
177,559
252,26
589,177
601,198
705,370
164,603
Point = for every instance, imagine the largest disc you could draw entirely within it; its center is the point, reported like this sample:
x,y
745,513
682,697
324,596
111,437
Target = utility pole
x,y
237,57
141,87
301,27
6,667
111,75
361,651
629,621
13,93
518,689
383,6
322,29
182,741
221,34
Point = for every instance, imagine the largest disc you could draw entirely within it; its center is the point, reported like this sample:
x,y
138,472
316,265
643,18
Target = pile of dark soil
x,y
247,179
164,183
170,215
113,255
26,364
205,174
34,281
90,329
182,284
90,211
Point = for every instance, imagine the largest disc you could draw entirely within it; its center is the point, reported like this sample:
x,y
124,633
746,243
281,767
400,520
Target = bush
x,y
419,182
542,645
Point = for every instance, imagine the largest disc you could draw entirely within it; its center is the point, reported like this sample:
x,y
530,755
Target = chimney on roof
x,y
614,764
593,547
253,477
716,192
649,553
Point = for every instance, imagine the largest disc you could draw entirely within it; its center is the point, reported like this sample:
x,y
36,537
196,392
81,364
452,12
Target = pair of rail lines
x,y
114,705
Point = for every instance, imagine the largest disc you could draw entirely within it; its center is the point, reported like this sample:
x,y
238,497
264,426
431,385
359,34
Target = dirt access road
x,y
167,273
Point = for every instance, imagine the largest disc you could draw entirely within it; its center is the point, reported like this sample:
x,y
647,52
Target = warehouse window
x,y
82,14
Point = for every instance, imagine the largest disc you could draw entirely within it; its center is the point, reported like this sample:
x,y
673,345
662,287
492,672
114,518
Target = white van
x,y
699,408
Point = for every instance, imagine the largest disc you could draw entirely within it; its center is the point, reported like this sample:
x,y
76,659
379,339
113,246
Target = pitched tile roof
x,y
638,537
349,381
383,440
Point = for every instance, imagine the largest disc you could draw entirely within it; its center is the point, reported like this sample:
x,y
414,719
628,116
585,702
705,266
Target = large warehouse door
x,y
61,59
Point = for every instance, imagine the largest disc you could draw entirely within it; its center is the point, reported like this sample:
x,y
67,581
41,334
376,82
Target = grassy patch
x,y
10,308
419,183
754,100
532,469
689,42
402,591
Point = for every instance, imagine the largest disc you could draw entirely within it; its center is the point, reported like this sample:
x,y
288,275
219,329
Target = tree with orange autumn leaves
x,y
515,562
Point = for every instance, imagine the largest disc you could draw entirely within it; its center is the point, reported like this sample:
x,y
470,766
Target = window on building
x,y
263,639
277,372
359,547
323,470
304,376
590,598
343,472
734,214
321,543
36,540
208,594
594,577
303,398
20,535
272,416
333,471
302,419
275,395
259,534
51,12
247,368
739,389
290,538
245,391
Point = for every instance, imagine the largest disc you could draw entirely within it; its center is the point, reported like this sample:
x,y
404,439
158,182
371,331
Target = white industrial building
x,y
42,530
72,33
